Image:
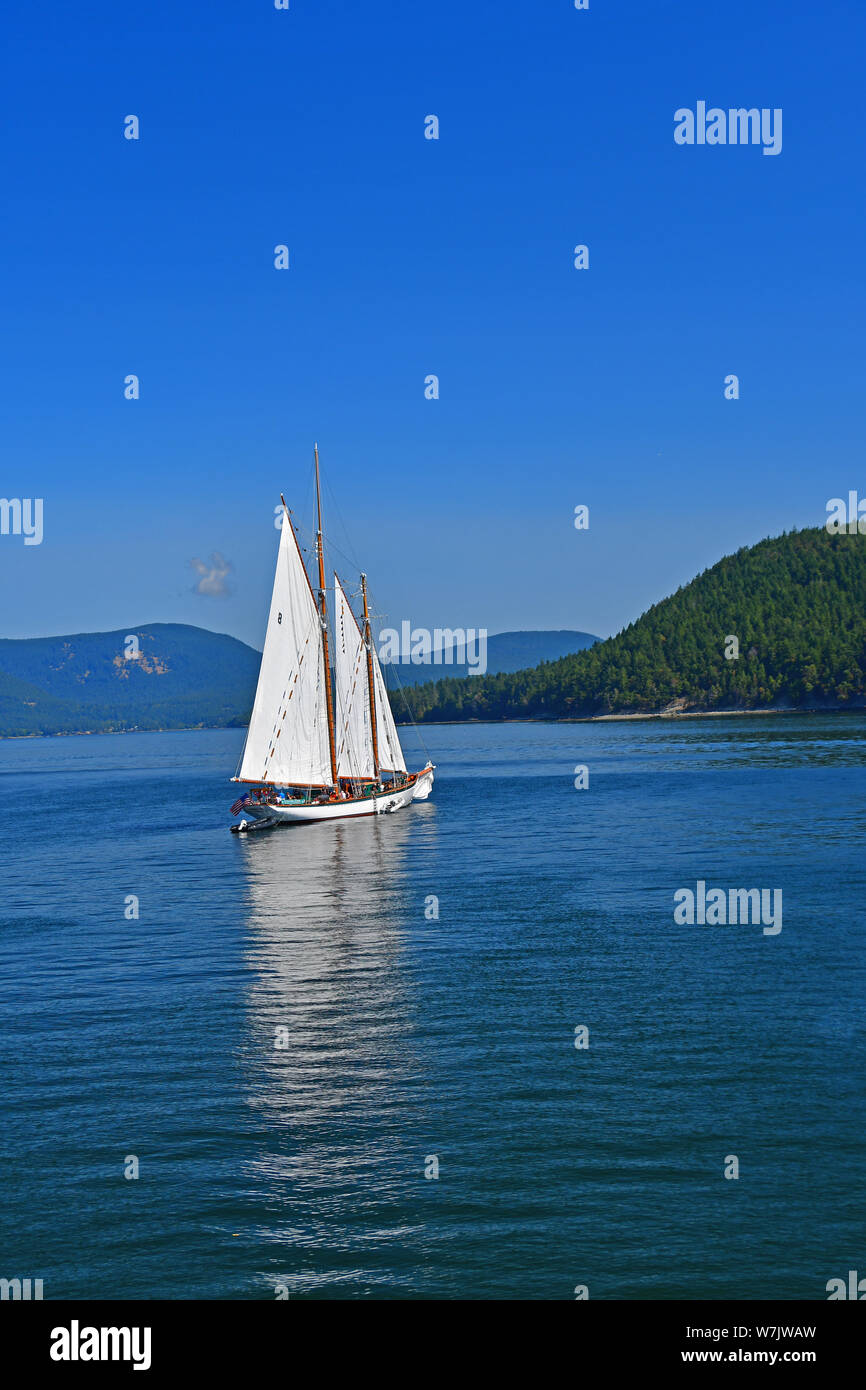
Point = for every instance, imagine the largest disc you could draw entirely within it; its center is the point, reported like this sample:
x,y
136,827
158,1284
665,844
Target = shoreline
x,y
720,713
671,715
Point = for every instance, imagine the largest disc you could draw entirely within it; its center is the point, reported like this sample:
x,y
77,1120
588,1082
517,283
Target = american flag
x,y
239,804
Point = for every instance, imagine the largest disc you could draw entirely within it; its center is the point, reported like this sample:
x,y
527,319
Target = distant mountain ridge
x,y
183,677
506,651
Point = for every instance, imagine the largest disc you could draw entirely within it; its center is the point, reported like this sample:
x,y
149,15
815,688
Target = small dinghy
x,y
246,827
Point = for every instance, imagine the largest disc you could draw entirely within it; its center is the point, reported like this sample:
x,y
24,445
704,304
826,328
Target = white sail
x,y
287,741
354,738
390,753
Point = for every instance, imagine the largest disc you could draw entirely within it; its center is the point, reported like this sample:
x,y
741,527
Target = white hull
x,y
382,803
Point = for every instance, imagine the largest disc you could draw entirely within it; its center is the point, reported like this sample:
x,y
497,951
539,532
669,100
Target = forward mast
x,y
371,684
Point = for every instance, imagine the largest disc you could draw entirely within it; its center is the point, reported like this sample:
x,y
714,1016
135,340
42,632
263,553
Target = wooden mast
x,y
370,680
323,609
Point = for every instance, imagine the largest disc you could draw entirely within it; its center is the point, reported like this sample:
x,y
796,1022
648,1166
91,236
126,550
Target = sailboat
x,y
322,743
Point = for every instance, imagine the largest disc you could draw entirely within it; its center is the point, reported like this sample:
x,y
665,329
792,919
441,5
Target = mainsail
x,y
287,741
355,756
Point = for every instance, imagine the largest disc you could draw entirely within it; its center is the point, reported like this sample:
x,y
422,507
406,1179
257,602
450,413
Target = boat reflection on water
x,y
330,1060
329,913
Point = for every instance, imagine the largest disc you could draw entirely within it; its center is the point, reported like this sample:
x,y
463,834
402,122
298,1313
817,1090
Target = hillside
x,y
797,603
506,651
184,677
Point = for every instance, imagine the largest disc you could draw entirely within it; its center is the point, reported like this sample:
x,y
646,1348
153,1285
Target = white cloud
x,y
212,576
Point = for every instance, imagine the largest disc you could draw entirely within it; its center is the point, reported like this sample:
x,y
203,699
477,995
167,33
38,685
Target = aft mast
x,y
323,609
371,689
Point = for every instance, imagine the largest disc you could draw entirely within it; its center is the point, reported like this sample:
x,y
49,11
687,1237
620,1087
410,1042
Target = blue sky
x,y
411,257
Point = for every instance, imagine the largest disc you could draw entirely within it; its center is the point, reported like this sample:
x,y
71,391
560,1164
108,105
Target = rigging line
x,y
333,503
302,529
350,558
400,688
412,719
333,549
310,551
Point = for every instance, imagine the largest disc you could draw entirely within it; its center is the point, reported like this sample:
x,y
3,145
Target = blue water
x,y
410,1036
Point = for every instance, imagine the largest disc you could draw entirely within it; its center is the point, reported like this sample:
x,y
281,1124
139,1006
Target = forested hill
x,y
181,677
796,604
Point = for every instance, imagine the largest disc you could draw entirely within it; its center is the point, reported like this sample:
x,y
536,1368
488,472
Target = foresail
x,y
390,753
287,741
354,737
